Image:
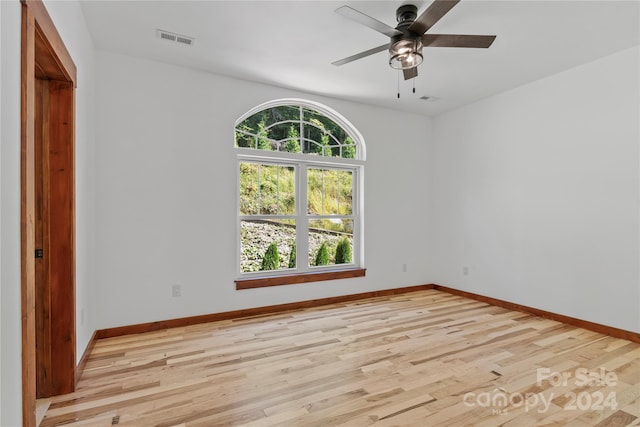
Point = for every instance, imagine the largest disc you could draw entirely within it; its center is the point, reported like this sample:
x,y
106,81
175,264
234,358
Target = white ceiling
x,y
291,44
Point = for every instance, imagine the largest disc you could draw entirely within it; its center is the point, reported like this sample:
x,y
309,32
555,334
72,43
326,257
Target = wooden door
x,y
54,222
47,180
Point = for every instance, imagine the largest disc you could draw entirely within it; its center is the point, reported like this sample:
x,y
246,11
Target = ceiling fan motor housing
x,y
405,15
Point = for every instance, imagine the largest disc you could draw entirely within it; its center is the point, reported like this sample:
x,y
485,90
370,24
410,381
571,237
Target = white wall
x,y
167,197
536,192
10,394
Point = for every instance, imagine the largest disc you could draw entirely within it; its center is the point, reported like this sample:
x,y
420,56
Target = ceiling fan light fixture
x,y
405,53
409,37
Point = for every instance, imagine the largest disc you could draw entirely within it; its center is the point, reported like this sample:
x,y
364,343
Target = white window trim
x,y
301,217
301,162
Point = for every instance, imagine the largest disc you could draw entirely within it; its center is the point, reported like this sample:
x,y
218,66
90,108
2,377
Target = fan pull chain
x,y
414,85
398,84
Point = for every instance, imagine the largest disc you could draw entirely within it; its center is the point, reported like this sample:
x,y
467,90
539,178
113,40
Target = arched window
x,y
300,191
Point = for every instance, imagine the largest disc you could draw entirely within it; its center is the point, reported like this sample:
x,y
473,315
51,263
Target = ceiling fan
x,y
408,38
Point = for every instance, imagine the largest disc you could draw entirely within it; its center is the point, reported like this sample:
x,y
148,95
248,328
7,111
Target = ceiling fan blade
x,y
431,15
367,21
410,73
457,40
361,54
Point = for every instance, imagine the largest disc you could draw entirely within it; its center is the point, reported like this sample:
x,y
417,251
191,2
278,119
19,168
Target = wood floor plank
x,y
426,358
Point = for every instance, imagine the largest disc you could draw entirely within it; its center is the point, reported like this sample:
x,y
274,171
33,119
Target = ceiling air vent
x,y
173,37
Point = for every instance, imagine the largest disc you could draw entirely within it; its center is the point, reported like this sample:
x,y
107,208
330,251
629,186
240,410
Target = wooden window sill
x,y
292,279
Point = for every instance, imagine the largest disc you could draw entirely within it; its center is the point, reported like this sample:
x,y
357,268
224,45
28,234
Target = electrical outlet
x,y
176,291
404,268
465,271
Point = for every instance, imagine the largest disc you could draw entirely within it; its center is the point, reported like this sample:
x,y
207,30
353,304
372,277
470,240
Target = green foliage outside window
x,y
349,150
330,191
322,257
293,142
263,137
266,189
292,256
278,128
271,259
343,252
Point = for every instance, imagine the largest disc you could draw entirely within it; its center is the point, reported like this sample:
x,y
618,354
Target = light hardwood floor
x,y
424,358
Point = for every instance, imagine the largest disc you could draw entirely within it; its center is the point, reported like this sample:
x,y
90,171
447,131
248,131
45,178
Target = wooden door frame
x,y
44,57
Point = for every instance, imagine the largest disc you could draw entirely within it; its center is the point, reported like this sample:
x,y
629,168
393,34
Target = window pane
x,y
348,148
329,192
249,188
330,241
286,136
284,128
258,240
259,132
245,138
267,189
329,136
269,186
